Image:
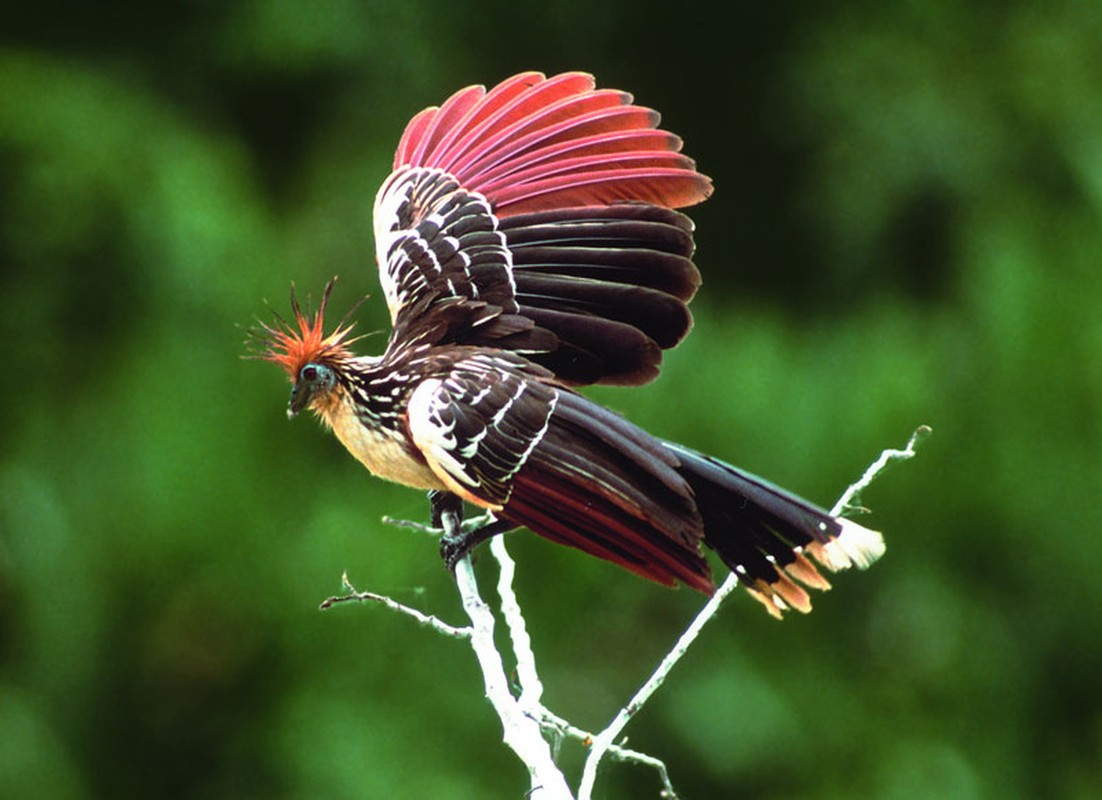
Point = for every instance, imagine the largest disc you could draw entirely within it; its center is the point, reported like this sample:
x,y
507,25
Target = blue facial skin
x,y
313,379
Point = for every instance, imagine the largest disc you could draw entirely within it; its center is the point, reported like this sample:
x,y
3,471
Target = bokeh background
x,y
907,229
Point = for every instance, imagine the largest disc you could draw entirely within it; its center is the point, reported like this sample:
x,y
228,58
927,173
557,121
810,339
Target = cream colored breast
x,y
383,452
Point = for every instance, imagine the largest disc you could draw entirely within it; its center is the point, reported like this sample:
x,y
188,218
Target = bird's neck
x,y
371,425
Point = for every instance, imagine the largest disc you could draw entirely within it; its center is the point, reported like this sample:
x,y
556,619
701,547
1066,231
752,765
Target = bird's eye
x,y
309,373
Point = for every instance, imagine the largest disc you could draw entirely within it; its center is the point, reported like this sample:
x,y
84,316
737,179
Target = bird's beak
x,y
300,398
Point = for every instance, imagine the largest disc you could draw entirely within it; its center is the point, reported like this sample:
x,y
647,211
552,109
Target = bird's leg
x,y
454,548
447,513
442,503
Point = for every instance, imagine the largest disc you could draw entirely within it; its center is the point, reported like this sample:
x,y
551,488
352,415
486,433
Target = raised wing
x,y
533,144
436,239
548,199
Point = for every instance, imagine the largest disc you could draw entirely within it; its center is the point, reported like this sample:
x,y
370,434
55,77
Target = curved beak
x,y
300,398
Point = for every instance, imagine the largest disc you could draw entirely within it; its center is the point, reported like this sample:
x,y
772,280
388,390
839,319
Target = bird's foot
x,y
458,540
458,537
455,546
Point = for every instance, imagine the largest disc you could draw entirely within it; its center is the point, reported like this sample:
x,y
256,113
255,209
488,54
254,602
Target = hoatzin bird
x,y
527,244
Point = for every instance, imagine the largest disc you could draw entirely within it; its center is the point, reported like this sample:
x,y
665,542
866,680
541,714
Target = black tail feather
x,y
762,532
599,483
603,485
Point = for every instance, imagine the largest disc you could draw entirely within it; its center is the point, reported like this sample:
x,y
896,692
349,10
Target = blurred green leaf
x,y
905,231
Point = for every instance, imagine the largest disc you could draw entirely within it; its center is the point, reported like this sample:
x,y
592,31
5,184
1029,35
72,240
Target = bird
x,y
529,243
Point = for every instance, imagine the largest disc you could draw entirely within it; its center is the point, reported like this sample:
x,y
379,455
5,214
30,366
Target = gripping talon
x,y
454,547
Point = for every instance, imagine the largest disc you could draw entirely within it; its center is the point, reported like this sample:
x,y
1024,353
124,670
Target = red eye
x,y
309,373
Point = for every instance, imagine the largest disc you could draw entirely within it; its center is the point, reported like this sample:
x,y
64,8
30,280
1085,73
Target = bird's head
x,y
312,360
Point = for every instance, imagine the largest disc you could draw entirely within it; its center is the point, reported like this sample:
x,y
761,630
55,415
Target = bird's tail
x,y
599,483
769,537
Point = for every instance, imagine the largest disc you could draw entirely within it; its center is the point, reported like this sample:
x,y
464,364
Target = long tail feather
x,y
600,484
763,532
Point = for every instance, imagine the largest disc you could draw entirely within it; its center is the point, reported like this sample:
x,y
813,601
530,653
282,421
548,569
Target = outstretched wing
x,y
533,143
435,238
553,201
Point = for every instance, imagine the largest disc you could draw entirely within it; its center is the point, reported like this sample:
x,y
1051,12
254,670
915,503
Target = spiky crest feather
x,y
293,349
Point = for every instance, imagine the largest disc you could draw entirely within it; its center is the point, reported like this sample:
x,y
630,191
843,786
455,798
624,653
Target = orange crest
x,y
292,349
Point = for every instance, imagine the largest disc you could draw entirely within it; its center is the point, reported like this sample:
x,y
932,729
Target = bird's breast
x,y
383,450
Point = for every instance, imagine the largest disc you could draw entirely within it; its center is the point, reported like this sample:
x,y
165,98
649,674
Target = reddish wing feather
x,y
672,188
581,165
491,102
505,141
578,146
549,146
598,124
536,143
413,134
444,121
516,106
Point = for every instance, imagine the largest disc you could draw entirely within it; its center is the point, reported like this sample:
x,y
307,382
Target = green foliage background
x,y
907,229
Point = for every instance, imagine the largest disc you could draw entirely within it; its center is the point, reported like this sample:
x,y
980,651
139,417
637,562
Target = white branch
x,y
522,733
849,495
604,739
435,623
524,719
531,687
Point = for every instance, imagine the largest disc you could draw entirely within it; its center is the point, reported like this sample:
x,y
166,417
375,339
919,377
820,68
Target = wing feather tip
x,y
464,131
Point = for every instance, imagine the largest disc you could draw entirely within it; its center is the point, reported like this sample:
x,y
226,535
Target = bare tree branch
x,y
527,725
521,732
531,686
849,496
354,595
604,739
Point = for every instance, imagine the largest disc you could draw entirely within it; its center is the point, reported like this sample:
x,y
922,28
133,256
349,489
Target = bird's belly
x,y
384,454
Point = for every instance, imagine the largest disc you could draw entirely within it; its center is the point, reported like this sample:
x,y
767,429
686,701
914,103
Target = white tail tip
x,y
854,546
